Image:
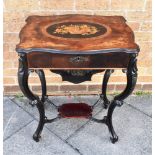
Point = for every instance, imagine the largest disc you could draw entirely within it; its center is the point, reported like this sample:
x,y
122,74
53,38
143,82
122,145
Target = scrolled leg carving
x,y
114,137
131,78
42,118
23,74
118,100
103,96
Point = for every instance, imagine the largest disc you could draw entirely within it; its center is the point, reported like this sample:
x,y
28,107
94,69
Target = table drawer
x,y
62,61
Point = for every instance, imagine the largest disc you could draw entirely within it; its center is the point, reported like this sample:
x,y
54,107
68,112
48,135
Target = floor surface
x,y
132,123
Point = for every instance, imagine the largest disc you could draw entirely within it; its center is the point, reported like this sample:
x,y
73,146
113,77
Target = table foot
x,y
114,103
114,139
36,137
42,120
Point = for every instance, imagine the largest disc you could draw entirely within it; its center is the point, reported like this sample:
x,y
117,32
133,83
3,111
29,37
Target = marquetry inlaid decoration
x,y
76,30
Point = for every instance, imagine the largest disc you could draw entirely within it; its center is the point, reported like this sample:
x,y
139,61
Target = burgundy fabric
x,y
75,110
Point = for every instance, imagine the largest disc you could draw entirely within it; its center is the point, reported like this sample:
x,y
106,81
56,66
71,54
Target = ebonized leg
x,y
41,75
103,96
112,106
23,83
23,74
42,118
118,100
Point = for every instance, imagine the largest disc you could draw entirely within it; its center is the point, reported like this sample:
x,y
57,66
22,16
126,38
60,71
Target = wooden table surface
x,y
108,32
77,42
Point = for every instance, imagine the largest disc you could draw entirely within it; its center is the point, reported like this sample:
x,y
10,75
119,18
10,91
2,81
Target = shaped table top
x,y
76,33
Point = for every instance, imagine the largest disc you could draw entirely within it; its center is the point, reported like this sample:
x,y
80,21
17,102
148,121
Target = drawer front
x,y
50,60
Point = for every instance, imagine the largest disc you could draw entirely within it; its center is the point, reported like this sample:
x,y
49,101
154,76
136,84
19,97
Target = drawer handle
x,y
78,59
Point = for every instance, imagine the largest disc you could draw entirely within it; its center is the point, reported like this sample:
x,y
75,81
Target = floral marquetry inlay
x,y
82,29
76,30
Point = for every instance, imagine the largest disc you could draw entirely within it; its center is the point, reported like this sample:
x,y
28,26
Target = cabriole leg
x,y
23,84
103,96
118,100
41,75
114,137
42,117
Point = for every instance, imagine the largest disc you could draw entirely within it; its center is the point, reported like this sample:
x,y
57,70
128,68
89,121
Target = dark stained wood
x,y
50,60
118,34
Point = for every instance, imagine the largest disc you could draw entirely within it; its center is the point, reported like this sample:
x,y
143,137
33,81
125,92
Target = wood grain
x,y
62,61
118,35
